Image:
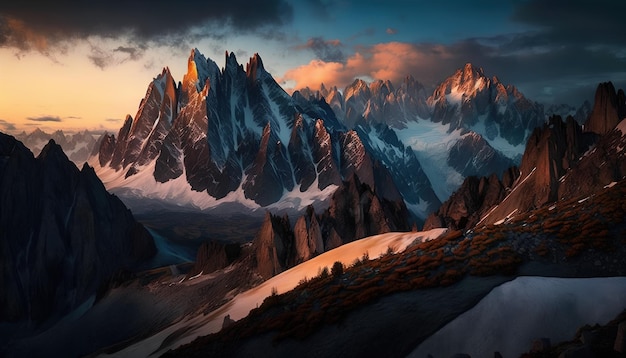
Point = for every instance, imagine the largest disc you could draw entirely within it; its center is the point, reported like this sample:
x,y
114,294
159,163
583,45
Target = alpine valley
x,y
273,224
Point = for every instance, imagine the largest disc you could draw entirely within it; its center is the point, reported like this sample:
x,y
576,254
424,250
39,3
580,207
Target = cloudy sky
x,y
72,64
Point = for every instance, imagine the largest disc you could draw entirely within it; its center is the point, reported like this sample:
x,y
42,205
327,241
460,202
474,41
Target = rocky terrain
x,y
234,136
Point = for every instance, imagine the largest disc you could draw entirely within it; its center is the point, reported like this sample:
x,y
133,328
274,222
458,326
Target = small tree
x,y
323,273
337,269
366,256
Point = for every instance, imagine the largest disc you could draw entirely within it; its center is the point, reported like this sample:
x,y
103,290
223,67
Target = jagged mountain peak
x,y
465,82
191,77
62,232
52,150
255,68
357,87
382,88
471,72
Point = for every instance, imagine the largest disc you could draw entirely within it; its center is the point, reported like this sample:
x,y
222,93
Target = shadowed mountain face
x,y
62,234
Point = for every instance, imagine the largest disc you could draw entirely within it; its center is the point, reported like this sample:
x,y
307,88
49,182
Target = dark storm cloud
x,y
45,119
102,57
567,49
325,50
133,53
547,73
7,126
37,24
575,21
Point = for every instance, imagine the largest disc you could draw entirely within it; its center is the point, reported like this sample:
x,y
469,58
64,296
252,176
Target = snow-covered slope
x,y
516,313
191,327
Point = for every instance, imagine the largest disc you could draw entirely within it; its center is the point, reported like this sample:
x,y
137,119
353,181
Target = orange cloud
x,y
315,73
385,61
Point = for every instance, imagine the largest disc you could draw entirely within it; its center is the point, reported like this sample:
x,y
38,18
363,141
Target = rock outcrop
x,y
274,246
608,109
62,234
308,236
466,207
355,212
213,256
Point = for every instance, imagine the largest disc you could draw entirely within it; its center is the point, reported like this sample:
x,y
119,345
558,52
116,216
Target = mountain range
x,y
77,146
234,138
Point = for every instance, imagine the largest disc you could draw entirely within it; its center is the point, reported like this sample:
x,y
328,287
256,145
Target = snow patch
x,y
431,144
177,191
499,143
420,208
516,313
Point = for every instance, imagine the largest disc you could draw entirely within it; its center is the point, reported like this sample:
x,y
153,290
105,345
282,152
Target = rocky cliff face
x,y
308,236
63,235
608,109
274,246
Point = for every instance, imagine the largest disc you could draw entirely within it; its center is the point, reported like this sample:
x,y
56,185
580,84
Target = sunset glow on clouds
x,y
385,61
89,64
